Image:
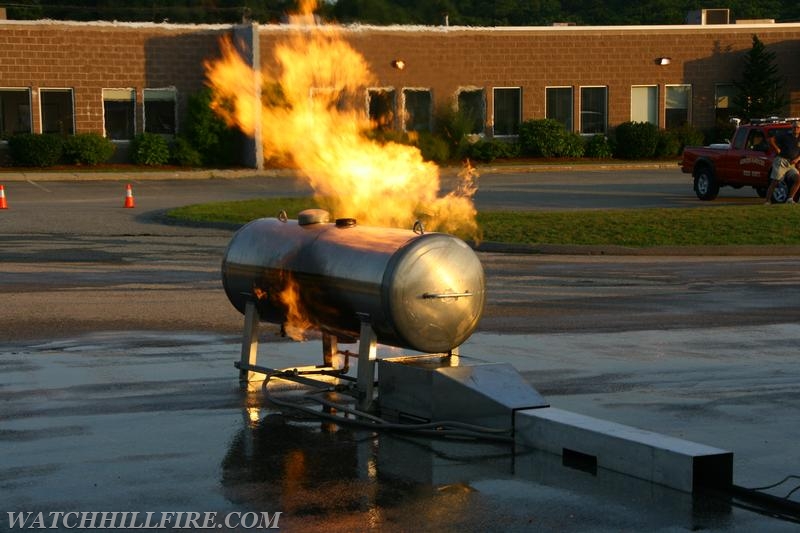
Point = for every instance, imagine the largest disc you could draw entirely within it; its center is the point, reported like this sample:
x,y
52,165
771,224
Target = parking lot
x,y
118,391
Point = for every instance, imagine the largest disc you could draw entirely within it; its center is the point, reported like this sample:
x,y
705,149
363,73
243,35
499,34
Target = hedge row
x,y
45,150
33,150
205,141
545,138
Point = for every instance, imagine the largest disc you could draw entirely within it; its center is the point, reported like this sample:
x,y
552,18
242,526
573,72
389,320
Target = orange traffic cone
x,y
129,197
3,203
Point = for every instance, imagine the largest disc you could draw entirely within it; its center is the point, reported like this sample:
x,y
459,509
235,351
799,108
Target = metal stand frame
x,y
367,354
249,356
249,368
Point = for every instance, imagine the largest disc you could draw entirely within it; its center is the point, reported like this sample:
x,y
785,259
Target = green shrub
x,y
689,136
387,135
207,133
87,149
184,154
433,148
636,140
487,150
454,127
149,149
598,146
574,145
35,150
548,138
722,131
669,143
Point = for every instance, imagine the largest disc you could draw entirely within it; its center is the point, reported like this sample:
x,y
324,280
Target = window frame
x,y
389,94
409,118
131,114
515,122
43,117
569,124
722,114
22,111
688,108
173,92
651,111
582,127
479,126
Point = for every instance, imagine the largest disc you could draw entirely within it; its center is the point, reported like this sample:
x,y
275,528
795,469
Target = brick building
x,y
124,78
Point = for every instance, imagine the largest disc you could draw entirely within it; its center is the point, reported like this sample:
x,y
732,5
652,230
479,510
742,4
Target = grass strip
x,y
698,226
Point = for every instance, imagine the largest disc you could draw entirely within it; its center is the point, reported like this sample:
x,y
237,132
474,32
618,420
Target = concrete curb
x,y
138,175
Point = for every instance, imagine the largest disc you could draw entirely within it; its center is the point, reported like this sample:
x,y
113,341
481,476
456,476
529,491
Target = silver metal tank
x,y
424,292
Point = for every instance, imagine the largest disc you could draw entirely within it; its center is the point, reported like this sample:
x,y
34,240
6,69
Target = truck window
x,y
739,139
756,141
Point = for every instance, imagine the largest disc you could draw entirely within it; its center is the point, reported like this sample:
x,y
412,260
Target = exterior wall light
x,y
663,61
399,64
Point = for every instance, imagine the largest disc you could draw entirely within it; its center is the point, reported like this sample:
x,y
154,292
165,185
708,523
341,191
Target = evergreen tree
x,y
760,93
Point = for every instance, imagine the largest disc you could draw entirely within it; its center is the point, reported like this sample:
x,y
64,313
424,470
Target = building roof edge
x,y
415,28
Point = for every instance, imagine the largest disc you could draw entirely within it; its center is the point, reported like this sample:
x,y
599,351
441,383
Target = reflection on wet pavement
x,y
151,421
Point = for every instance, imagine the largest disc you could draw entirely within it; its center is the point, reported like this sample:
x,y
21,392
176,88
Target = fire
x,y
310,113
297,322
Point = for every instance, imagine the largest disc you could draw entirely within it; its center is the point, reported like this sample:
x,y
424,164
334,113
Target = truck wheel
x,y
781,193
705,185
761,191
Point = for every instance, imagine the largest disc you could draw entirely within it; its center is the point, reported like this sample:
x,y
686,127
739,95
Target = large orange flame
x,y
297,321
311,113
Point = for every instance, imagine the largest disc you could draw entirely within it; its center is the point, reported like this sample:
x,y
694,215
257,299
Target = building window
x,y
58,111
644,104
15,112
382,106
119,113
160,111
723,102
417,104
559,105
594,109
472,106
507,110
678,109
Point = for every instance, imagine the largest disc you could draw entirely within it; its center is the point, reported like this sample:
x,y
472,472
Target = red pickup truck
x,y
745,161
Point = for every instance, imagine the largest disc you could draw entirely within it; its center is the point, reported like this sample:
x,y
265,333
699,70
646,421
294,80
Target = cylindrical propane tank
x,y
423,291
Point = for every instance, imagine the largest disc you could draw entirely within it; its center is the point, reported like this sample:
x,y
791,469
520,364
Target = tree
x,y
428,12
760,93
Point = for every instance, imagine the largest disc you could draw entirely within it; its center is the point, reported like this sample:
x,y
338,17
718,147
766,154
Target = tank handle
x,y
419,229
443,295
282,216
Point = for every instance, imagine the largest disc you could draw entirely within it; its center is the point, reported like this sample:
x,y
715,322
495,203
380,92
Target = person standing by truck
x,y
787,147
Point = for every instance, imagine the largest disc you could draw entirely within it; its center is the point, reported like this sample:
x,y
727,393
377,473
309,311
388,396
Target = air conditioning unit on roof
x,y
709,16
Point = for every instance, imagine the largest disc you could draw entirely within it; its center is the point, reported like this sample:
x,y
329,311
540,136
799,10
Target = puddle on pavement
x,y
321,476
332,477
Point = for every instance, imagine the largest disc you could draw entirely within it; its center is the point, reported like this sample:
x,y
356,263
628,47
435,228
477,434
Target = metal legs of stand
x,y
367,353
249,355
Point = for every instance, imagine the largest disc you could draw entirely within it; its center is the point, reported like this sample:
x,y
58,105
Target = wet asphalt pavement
x,y
118,391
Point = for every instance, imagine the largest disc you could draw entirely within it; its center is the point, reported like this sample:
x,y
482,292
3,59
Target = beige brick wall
x,y
535,58
91,56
